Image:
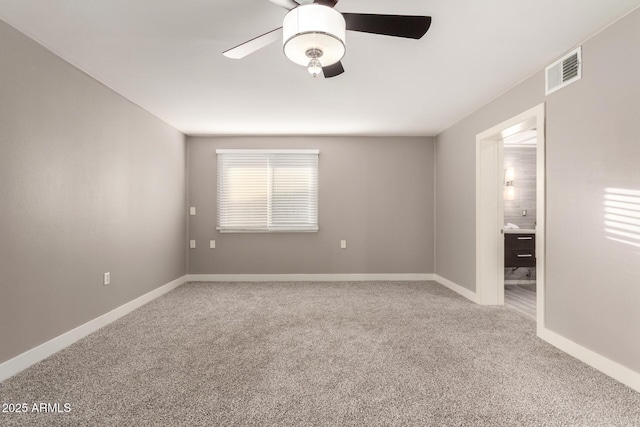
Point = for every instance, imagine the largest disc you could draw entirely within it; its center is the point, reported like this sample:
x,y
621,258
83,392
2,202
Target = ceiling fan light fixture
x,y
314,26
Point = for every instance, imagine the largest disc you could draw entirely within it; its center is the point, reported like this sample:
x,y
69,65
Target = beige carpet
x,y
318,354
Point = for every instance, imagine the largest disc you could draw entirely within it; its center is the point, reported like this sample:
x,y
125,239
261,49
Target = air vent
x,y
564,71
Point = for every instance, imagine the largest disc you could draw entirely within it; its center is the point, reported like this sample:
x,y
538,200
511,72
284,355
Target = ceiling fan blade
x,y
330,3
287,4
333,70
254,44
411,27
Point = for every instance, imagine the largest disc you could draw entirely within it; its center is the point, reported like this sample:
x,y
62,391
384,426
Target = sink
x,y
519,231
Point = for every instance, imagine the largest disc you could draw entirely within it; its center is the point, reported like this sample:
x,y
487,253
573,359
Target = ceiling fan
x,y
313,33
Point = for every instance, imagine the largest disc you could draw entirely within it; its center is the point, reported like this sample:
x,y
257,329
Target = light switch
x,y
192,244
106,279
212,244
343,244
192,210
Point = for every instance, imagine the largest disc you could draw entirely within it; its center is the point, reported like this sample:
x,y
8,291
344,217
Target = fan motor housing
x,y
314,26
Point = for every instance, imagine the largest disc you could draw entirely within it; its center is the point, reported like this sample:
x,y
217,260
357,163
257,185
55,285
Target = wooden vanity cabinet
x,y
519,250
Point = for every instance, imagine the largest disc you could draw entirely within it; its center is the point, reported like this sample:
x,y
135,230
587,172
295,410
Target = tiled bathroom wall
x,y
523,160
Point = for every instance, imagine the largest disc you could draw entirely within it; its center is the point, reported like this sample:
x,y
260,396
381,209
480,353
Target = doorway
x,y
490,204
519,213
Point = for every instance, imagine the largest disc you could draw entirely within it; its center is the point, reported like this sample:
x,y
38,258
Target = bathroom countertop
x,y
519,231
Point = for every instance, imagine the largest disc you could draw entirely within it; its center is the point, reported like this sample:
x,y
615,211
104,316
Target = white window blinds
x,y
267,190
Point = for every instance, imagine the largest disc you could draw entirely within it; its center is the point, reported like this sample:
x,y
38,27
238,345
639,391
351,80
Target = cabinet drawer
x,y
520,241
520,258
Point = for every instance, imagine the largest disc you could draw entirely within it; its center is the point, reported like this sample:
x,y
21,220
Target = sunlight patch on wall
x,y
622,215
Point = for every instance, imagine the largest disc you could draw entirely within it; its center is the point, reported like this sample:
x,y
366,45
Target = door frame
x,y
490,209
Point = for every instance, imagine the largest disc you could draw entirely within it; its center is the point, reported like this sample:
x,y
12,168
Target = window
x,y
267,190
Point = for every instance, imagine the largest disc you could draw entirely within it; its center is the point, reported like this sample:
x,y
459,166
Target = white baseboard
x,y
309,277
470,295
607,366
41,352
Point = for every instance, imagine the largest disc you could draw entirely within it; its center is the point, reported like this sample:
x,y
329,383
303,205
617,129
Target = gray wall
x,y
456,181
89,183
377,193
523,159
593,134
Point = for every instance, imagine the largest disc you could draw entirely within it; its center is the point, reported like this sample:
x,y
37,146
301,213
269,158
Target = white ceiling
x,y
166,56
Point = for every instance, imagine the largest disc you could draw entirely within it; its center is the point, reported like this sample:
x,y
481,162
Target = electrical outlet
x,y
192,210
343,244
192,244
106,279
212,244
